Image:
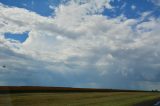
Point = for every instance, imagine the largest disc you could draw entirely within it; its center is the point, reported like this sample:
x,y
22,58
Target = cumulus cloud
x,y
80,47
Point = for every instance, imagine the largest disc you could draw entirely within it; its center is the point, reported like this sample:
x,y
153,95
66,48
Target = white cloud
x,y
133,7
12,22
52,7
79,46
123,6
156,2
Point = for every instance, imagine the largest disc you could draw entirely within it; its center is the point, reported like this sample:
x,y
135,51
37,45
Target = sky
x,y
80,43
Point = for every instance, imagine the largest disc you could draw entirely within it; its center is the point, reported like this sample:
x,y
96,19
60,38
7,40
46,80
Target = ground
x,y
78,99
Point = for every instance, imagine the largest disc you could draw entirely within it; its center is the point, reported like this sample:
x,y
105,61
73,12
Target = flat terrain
x,y
80,99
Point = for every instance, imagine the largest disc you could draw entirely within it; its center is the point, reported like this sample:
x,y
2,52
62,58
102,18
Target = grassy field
x,y
77,99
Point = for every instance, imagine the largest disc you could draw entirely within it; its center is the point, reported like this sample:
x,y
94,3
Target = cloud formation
x,y
80,47
156,2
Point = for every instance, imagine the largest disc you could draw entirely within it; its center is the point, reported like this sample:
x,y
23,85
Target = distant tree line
x,y
155,90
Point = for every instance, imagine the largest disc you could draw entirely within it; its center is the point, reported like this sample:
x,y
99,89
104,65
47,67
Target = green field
x,y
77,99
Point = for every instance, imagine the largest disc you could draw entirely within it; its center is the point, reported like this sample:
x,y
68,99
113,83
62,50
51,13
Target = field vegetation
x,y
77,98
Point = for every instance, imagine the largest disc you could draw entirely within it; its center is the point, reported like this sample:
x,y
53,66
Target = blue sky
x,y
44,8
130,8
89,43
39,6
19,37
125,7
